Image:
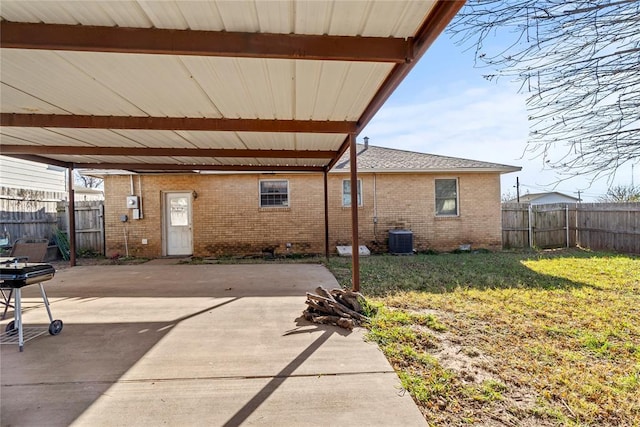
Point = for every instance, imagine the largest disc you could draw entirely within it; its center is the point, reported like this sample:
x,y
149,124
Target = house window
x,y
274,193
346,192
446,197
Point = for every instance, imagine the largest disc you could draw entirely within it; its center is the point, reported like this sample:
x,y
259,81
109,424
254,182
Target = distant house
x,y
29,196
546,198
85,194
443,201
22,178
26,175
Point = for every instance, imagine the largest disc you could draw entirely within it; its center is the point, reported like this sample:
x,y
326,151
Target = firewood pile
x,y
335,307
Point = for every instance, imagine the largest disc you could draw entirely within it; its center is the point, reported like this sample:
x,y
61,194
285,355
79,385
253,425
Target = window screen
x,y
274,193
446,197
346,192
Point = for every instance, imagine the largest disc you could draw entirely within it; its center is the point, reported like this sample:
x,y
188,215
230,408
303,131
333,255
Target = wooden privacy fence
x,y
27,213
610,226
597,226
89,216
38,214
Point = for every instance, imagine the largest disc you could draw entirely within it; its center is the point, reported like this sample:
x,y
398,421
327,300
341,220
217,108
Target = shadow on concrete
x,y
58,378
250,407
302,327
115,317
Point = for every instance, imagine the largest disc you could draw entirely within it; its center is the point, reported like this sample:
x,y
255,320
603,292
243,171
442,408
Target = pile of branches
x,y
335,307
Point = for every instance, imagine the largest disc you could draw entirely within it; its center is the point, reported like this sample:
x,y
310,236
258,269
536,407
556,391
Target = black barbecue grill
x,y
16,273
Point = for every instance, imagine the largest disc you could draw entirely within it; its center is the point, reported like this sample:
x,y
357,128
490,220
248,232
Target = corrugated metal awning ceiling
x,y
206,85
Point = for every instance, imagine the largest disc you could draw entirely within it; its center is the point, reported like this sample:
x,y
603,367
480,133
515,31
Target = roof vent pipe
x,y
366,142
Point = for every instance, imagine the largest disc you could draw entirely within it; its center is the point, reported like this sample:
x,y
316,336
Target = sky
x,y
445,106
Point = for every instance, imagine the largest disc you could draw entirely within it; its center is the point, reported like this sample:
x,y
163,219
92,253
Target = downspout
x,y
141,215
72,220
375,209
355,246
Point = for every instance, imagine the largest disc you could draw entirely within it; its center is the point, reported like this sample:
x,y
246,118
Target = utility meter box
x,y
133,202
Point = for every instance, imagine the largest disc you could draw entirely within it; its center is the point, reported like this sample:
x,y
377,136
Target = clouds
x,y
464,124
446,107
487,122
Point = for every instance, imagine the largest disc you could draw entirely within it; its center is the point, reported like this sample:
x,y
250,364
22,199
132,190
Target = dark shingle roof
x,y
382,159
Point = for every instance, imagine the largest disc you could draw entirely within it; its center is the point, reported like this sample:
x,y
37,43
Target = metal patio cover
x,y
157,86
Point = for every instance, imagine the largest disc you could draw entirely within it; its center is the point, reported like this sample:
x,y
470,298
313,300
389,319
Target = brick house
x,y
206,87
444,201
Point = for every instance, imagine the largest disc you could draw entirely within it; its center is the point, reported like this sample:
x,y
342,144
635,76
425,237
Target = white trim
x,y
435,197
164,219
431,171
361,201
106,172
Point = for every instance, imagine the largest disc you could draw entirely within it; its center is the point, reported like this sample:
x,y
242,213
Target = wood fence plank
x,y
37,214
597,226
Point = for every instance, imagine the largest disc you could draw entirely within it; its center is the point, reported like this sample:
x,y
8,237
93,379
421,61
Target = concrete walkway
x,y
184,345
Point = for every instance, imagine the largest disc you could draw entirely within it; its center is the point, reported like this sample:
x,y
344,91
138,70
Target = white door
x,y
179,235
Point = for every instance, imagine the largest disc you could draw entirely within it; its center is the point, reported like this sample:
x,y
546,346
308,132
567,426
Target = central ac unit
x,y
401,242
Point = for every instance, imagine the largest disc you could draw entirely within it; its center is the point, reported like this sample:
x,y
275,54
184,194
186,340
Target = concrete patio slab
x,y
194,345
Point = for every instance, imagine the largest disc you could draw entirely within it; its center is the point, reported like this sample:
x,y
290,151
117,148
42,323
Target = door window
x,y
179,212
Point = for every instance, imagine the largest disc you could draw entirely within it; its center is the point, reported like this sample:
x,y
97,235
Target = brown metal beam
x,y
170,167
343,148
203,43
442,13
7,149
326,213
355,235
173,123
71,230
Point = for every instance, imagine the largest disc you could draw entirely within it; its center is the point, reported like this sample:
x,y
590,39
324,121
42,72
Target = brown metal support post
x,y
72,220
355,246
326,215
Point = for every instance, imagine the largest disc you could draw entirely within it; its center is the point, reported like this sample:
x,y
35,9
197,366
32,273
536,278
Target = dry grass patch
x,y
511,338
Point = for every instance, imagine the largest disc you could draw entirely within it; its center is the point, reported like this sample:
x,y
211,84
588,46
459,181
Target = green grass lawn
x,y
548,338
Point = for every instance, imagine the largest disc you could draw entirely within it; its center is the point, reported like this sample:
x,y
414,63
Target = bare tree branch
x,y
579,61
87,181
621,194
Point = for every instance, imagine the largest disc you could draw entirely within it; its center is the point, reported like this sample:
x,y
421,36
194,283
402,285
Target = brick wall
x,y
227,218
407,201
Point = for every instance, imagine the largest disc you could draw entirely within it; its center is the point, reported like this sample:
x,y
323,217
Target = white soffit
x,y
255,93
376,18
15,100
91,83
